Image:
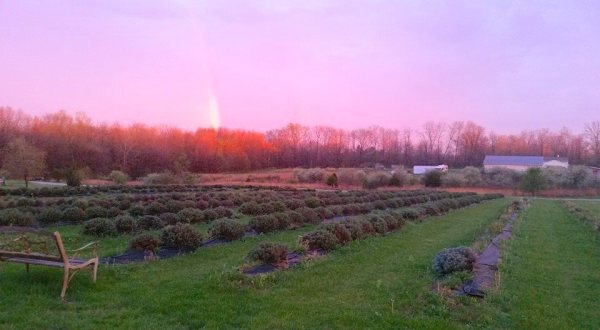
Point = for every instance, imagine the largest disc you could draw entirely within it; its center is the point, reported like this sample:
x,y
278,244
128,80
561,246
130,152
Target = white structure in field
x,y
523,163
419,169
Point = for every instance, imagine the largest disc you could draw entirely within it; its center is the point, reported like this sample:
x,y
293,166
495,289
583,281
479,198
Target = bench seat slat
x,y
24,255
44,262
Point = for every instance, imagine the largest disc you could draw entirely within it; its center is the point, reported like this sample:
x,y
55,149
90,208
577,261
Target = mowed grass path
x,y
551,272
376,283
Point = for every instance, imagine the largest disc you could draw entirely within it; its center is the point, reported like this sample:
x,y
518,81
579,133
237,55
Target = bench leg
x,y
27,267
95,271
65,284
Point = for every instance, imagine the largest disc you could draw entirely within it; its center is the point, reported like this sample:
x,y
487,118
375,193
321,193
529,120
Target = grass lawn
x,y
551,273
591,208
550,279
13,184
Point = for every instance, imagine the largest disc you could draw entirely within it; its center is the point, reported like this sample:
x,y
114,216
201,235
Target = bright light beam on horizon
x,y
213,111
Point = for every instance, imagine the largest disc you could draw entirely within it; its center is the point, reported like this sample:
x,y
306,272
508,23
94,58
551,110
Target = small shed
x,y
422,169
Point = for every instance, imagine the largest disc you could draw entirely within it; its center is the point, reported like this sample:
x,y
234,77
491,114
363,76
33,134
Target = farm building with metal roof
x,y
522,163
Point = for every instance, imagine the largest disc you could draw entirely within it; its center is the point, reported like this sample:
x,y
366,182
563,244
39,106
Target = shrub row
x,y
179,236
305,215
330,236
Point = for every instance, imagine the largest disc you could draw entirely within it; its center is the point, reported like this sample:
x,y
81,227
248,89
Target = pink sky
x,y
507,65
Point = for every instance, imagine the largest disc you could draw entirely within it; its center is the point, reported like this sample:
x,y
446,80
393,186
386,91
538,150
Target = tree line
x,y
74,142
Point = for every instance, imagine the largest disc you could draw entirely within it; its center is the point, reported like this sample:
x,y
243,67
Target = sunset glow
x,y
275,62
213,111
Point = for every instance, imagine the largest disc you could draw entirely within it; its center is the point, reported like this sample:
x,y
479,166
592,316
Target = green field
x,y
550,279
12,184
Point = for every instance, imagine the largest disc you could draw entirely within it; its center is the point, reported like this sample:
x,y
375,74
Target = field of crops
x,y
229,213
365,260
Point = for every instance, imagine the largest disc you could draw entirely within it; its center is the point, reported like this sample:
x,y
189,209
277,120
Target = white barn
x,y
421,169
522,163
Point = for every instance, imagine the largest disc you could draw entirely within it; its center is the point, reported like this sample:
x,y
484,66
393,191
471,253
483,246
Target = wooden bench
x,y
31,246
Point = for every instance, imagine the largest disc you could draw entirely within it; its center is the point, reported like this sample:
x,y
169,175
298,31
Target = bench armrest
x,y
93,245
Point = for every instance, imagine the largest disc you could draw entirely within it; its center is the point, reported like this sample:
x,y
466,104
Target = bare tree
x,y
592,134
431,141
23,160
543,140
453,134
407,146
473,143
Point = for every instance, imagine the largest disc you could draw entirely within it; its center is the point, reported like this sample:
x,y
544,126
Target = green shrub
x,y
169,218
145,242
202,205
336,210
376,179
118,177
309,215
355,229
533,181
174,206
149,222
264,223
99,227
74,214
164,178
379,225
95,212
453,259
351,209
503,177
227,229
136,211
399,178
398,216
341,232
155,208
269,253
313,202
15,218
50,215
409,213
332,180
222,212
74,177
453,179
323,213
431,208
311,175
279,206
113,212
210,215
472,176
283,220
319,240
433,178
190,215
251,208
351,176
293,204
23,202
182,236
295,217
391,222
125,224
366,226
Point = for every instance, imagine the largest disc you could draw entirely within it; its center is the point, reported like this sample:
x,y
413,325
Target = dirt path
x,y
486,266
